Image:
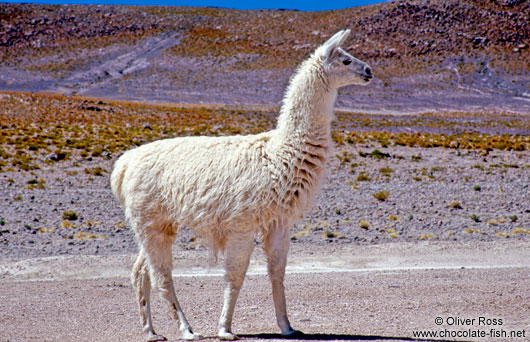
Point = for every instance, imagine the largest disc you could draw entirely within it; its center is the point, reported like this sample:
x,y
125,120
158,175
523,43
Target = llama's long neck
x,y
307,111
301,143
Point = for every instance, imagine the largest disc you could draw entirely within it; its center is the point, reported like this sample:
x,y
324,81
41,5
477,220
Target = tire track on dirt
x,y
137,59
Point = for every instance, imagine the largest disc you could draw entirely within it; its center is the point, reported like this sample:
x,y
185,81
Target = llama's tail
x,y
116,179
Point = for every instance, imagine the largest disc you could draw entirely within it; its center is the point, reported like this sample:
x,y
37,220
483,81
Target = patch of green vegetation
x,y
70,215
455,205
329,234
381,195
37,183
427,236
95,171
386,170
364,224
363,177
469,141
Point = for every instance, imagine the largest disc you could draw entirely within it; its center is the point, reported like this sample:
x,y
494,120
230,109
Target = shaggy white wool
x,y
229,189
222,185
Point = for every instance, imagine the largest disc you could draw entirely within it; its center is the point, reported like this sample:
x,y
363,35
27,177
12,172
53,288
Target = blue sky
x,y
307,5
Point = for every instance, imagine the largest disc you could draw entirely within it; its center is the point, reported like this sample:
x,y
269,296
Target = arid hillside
x,y
427,55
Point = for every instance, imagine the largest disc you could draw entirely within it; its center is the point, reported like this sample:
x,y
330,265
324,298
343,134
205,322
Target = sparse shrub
x,y
46,230
120,224
301,233
95,171
344,158
474,218
364,224
83,236
66,224
70,215
427,236
417,179
456,205
381,195
502,235
37,183
379,155
392,233
496,222
477,188
520,230
386,170
415,158
437,168
96,152
363,177
471,230
513,218
328,234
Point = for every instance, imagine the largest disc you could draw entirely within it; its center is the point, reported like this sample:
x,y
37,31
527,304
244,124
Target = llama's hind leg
x,y
276,246
239,247
142,287
158,249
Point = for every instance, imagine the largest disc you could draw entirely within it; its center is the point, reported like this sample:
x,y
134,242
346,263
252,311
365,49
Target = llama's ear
x,y
333,43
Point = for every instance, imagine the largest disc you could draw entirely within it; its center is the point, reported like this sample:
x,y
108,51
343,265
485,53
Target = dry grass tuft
x,y
381,195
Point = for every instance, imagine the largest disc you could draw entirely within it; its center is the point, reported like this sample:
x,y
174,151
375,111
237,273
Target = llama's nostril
x,y
368,71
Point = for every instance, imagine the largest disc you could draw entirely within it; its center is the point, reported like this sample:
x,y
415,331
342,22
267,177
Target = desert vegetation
x,y
42,130
49,143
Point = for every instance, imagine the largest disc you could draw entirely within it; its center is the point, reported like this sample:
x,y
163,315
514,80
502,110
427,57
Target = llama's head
x,y
342,68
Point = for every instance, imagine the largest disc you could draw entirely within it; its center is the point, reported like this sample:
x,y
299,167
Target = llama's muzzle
x,y
367,73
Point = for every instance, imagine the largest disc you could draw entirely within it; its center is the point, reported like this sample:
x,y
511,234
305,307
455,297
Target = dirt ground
x,y
404,243
388,292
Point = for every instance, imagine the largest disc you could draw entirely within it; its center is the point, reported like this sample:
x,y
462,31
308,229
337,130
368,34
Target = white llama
x,y
230,189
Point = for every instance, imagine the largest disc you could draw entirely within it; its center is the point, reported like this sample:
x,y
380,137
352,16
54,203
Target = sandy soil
x,y
362,293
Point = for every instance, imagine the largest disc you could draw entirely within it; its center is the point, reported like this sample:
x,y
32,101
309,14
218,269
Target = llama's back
x,y
197,180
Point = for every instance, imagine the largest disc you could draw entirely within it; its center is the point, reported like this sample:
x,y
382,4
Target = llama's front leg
x,y
238,251
276,247
160,264
142,287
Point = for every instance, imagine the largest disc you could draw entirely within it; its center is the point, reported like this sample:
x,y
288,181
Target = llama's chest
x,y
297,178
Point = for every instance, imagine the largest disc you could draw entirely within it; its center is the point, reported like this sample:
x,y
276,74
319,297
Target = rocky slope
x,y
435,55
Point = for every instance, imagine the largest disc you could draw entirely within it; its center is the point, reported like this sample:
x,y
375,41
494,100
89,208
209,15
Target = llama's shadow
x,y
336,337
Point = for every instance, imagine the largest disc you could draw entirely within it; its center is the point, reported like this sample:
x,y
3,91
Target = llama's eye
x,y
346,62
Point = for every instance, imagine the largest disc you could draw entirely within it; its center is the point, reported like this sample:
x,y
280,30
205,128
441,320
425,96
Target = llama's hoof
x,y
227,335
293,334
191,336
153,338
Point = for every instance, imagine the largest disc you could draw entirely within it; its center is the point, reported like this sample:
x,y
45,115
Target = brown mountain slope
x,y
422,51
